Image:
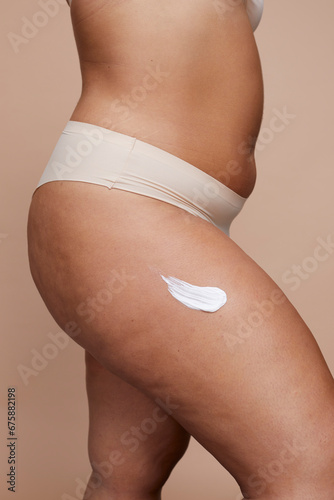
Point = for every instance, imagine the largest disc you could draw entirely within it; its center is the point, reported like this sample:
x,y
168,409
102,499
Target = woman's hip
x,y
92,154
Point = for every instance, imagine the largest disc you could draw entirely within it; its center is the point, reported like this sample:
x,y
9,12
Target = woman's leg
x,y
133,444
248,381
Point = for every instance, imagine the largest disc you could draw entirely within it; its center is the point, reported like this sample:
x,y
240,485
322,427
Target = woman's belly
x,y
176,74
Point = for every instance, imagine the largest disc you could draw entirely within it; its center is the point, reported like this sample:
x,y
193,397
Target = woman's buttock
x,y
239,378
182,76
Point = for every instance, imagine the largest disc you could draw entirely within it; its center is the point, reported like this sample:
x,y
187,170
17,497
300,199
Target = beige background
x,y
290,208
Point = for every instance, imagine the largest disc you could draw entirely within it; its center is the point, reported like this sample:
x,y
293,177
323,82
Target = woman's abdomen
x,y
177,75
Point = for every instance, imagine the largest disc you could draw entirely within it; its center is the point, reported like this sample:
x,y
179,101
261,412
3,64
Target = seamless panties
x,y
89,153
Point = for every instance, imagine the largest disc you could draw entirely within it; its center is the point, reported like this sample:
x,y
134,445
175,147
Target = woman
x,y
129,248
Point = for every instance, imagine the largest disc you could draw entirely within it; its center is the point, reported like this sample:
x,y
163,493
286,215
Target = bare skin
x,y
257,395
204,103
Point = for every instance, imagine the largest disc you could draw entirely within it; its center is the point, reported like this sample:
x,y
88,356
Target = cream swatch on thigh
x,y
201,298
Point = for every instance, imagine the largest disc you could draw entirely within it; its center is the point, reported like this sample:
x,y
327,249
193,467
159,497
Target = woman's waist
x,y
219,144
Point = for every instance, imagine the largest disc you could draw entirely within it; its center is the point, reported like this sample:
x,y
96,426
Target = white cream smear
x,y
201,298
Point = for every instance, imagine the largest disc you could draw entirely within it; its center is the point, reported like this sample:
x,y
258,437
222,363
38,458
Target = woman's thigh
x,y
248,381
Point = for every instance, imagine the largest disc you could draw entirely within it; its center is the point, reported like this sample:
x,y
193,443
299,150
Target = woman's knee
x,y
135,469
